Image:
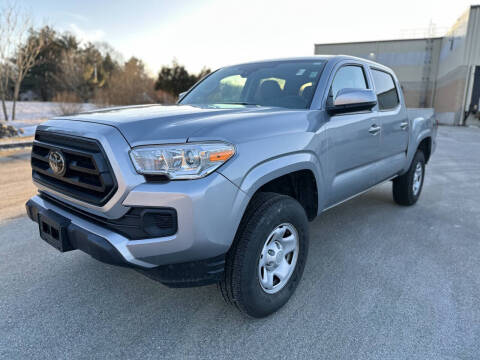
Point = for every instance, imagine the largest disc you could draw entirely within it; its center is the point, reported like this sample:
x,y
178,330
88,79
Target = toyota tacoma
x,y
220,187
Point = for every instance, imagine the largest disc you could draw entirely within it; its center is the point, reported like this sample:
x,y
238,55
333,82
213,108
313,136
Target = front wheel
x,y
266,261
407,188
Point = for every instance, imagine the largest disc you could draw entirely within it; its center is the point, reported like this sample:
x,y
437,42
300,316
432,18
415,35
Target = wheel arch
x,y
297,175
426,146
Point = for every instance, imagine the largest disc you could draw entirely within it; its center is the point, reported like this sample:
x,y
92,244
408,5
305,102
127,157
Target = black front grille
x,y
88,176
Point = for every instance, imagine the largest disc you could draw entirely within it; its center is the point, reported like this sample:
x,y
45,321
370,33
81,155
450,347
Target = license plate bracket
x,y
53,230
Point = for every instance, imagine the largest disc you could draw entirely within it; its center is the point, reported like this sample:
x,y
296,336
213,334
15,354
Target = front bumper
x,y
194,256
209,211
193,273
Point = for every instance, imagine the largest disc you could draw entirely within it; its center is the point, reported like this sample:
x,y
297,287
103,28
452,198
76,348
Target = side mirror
x,y
350,100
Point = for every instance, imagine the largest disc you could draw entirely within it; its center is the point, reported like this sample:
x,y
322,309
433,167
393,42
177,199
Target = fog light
x,y
160,222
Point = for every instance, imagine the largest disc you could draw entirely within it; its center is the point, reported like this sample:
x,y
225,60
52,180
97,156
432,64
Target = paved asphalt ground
x,y
381,282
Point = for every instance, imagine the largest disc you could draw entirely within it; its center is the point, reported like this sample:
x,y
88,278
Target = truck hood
x,y
158,124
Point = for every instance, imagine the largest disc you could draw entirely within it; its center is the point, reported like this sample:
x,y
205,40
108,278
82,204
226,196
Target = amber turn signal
x,y
221,155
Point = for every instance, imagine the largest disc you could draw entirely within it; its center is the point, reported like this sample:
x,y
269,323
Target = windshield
x,y
288,84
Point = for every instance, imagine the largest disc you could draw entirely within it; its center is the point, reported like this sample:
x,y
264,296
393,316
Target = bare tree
x,y
71,72
5,70
17,44
8,24
28,48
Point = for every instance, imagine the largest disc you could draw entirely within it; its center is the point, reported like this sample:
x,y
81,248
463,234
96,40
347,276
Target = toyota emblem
x,y
57,162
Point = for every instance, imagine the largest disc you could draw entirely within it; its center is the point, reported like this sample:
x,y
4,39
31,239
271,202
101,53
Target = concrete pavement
x,y
381,282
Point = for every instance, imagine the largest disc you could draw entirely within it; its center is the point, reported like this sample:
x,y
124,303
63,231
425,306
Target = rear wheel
x,y
407,188
266,261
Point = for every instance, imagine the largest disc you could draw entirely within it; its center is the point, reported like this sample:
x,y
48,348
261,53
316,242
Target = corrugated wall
x,y
472,54
414,61
452,73
433,72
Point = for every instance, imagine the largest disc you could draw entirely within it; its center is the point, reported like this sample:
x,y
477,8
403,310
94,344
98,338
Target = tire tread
x,y
230,286
402,185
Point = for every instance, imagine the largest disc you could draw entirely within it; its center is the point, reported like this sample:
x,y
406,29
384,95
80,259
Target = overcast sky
x,y
214,33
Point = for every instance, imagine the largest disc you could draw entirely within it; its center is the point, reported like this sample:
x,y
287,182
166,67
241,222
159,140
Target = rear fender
x,y
421,128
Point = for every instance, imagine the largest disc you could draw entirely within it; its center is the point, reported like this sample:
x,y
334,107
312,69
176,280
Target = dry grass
x,y
16,185
15,139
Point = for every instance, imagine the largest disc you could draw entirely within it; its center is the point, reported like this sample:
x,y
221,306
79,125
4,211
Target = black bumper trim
x,y
188,274
136,224
95,246
194,273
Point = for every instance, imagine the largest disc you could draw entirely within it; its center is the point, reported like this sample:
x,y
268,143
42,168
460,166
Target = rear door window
x,y
385,89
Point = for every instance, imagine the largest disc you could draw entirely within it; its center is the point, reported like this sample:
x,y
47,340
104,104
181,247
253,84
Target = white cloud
x,y
87,35
76,17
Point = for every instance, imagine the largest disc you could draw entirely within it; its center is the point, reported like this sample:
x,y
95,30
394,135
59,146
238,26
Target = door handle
x,y
404,125
374,129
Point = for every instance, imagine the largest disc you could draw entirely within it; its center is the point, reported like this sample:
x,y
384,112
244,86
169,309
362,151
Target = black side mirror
x,y
350,100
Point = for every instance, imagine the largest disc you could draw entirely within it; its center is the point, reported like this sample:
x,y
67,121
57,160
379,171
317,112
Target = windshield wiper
x,y
238,103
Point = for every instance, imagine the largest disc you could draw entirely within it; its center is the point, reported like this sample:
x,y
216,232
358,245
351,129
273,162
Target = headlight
x,y
181,161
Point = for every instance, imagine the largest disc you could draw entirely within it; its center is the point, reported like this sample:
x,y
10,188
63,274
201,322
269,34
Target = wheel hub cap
x,y
278,258
417,179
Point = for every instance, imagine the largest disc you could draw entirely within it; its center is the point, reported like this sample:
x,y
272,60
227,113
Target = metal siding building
x,y
439,72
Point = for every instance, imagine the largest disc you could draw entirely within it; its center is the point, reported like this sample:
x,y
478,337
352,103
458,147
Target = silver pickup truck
x,y
220,187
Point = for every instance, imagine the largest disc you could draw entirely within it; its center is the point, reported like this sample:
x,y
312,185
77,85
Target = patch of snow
x,y
31,113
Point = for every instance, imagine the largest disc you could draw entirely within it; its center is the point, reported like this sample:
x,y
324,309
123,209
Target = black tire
x,y
241,286
403,189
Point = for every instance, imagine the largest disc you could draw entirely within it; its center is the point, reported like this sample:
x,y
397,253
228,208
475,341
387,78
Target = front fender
x,y
273,168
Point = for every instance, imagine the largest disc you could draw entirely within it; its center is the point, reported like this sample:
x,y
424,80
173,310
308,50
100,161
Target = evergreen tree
x,y
176,79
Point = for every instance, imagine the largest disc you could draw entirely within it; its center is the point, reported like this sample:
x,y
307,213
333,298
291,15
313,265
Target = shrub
x,y
68,103
9,131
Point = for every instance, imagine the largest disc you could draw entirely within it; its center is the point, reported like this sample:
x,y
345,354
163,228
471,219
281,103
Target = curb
x,y
18,144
